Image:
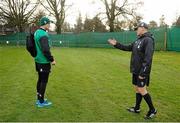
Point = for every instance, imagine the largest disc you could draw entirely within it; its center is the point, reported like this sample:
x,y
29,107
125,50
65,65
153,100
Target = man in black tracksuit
x,y
141,61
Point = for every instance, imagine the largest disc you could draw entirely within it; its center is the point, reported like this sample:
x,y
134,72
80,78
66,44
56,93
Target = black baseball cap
x,y
142,24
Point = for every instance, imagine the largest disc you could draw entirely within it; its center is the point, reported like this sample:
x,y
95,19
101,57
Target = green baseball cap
x,y
44,21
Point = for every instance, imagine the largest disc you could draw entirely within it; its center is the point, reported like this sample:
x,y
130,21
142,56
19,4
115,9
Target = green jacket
x,y
43,44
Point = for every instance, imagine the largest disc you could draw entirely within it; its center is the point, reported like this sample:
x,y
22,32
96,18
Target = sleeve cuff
x,y
51,59
117,45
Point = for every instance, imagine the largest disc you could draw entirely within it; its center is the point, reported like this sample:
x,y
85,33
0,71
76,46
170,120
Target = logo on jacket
x,y
139,44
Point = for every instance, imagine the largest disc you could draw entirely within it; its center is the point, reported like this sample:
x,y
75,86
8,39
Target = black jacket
x,y
142,54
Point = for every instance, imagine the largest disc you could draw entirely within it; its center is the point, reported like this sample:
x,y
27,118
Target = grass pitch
x,y
87,84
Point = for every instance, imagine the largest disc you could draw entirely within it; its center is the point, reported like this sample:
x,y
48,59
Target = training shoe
x,y
38,101
44,104
132,109
151,114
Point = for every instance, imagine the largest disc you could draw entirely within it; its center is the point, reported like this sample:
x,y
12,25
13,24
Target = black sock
x,y
148,100
138,100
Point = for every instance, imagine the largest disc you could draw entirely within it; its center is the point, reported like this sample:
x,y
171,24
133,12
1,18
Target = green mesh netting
x,y
165,38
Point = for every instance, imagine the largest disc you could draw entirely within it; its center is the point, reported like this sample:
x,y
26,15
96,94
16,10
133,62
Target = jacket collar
x,y
147,34
42,29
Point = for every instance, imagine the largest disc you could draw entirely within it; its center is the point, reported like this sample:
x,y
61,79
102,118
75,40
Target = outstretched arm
x,y
120,46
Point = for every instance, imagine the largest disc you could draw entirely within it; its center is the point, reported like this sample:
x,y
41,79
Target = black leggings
x,y
41,85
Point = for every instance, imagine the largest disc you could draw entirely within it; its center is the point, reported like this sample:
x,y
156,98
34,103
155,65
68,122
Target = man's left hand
x,y
112,42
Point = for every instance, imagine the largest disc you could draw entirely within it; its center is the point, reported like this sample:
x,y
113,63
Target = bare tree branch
x,y
58,9
115,9
17,12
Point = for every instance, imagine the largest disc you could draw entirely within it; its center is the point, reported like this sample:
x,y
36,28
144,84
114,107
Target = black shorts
x,y
43,67
140,82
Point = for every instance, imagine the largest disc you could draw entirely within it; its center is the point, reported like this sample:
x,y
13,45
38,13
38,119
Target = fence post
x,y
165,38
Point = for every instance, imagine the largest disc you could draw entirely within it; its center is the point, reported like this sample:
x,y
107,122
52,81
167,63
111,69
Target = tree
x,y
66,27
152,24
88,25
2,20
120,25
134,22
16,13
178,21
115,8
57,8
78,27
94,25
162,21
37,17
98,25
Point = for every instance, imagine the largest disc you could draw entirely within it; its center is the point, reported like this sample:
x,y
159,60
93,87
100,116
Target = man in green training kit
x,y
43,60
141,60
